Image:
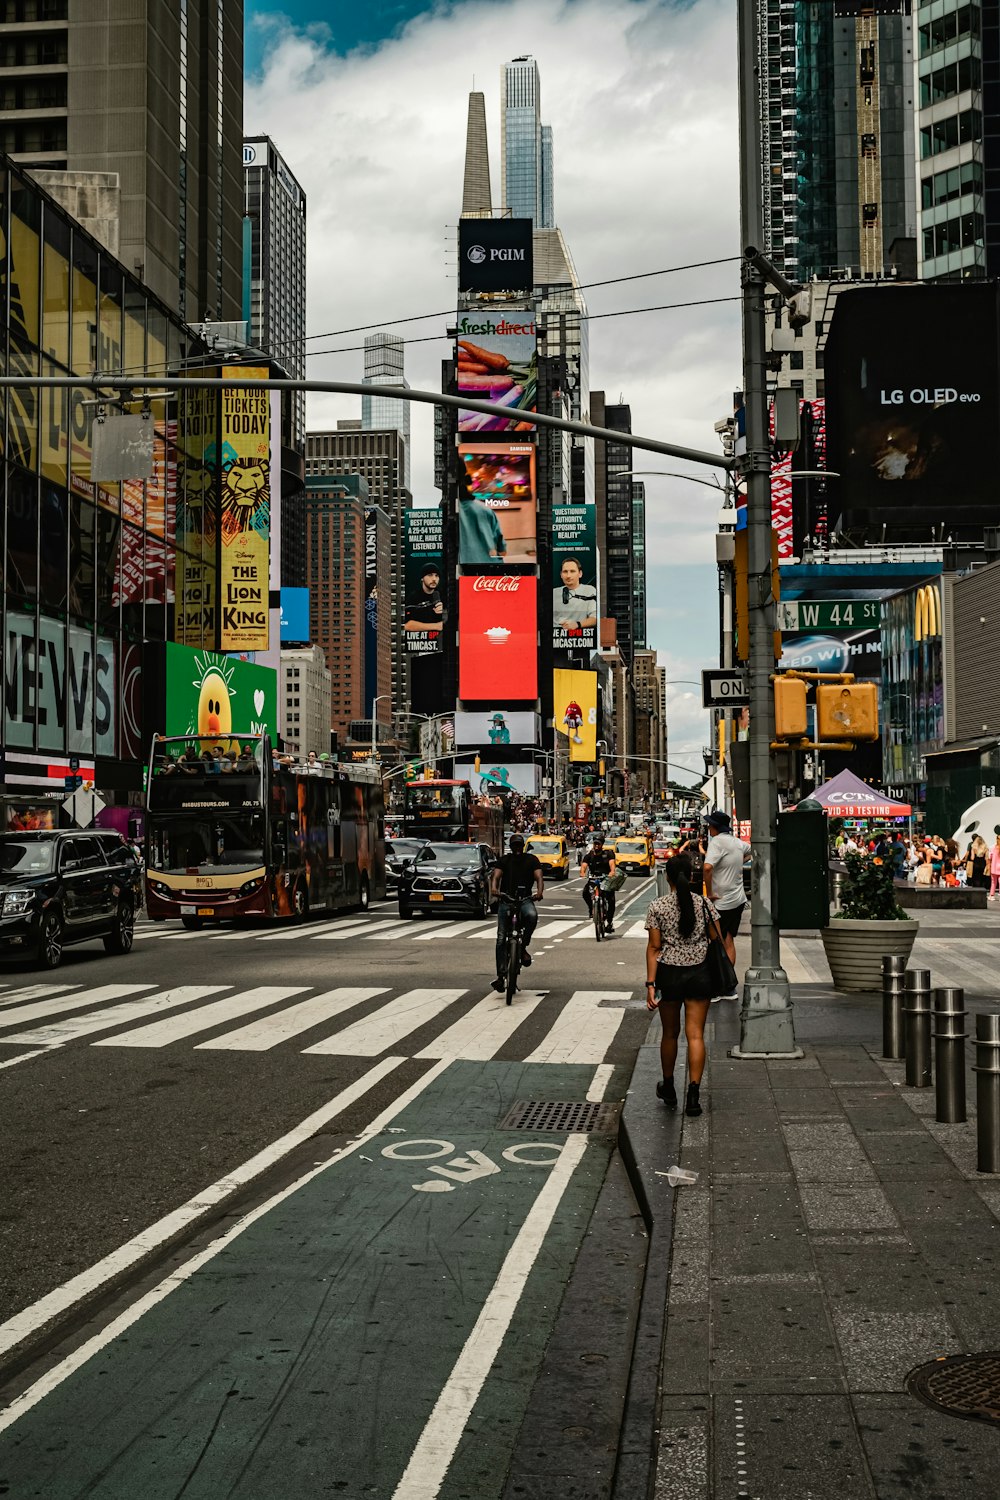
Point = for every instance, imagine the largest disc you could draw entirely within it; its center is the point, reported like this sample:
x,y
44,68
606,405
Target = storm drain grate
x,y
572,1115
963,1385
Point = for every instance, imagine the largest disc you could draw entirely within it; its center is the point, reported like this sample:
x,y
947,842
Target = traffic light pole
x,y
766,1026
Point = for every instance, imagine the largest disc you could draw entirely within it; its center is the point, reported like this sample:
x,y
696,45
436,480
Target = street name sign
x,y
829,614
724,687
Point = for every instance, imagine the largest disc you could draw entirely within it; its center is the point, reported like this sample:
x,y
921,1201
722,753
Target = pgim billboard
x,y
574,578
424,614
496,356
498,638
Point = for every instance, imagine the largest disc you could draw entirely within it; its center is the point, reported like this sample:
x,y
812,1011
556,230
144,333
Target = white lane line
x,y
234,937
34,992
436,931
638,930
550,929
90,998
599,1082
479,1035
395,930
431,1458
58,1033
164,1230
583,1030
12,1062
162,1033
470,929
270,1031
388,1026
182,937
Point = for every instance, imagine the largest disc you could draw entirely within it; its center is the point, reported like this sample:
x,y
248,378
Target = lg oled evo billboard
x,y
498,638
494,255
912,399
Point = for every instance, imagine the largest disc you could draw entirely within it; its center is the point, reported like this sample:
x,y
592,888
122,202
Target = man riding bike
x,y
596,864
516,879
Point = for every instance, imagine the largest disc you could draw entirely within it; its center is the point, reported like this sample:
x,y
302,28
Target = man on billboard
x,y
480,539
426,611
574,603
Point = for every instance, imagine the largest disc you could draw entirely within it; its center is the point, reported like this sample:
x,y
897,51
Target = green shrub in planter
x,y
867,893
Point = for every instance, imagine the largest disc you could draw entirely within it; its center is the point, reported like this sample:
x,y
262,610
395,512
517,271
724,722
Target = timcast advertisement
x,y
497,360
211,695
498,638
497,523
574,708
245,512
423,607
574,578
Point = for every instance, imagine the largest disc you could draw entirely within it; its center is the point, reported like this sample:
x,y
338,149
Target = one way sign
x,y
724,687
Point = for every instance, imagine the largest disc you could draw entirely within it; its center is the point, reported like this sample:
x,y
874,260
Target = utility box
x,y
803,868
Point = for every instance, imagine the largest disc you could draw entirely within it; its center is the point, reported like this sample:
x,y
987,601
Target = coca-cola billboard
x,y
498,638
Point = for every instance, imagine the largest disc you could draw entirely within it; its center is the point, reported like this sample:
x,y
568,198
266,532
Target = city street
x,y
261,1177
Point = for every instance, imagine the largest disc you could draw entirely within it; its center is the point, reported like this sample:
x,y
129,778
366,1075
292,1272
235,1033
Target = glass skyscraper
x,y
384,366
525,145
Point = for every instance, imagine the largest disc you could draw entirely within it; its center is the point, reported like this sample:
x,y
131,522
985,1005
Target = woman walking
x,y
978,858
994,869
680,926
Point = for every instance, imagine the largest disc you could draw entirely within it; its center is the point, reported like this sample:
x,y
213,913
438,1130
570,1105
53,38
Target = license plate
x,y
437,895
206,911
187,911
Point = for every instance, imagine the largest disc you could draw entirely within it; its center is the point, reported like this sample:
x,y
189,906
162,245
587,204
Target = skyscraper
x,y
274,293
525,145
477,196
153,93
384,366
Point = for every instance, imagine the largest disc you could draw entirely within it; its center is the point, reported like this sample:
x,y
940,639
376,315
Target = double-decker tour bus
x,y
233,830
447,812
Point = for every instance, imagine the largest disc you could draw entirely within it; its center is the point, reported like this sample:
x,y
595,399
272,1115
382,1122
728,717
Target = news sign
x,y
498,638
495,255
496,359
498,522
574,578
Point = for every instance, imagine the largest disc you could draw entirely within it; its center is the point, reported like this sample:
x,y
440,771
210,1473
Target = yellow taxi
x,y
552,852
634,854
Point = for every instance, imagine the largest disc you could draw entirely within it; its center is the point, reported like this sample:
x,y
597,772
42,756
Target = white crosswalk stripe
x,y
162,1033
34,992
387,1028
70,1028
583,1030
269,1031
44,1008
479,1035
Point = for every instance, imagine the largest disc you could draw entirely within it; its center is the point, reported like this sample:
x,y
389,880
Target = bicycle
x,y
598,906
512,967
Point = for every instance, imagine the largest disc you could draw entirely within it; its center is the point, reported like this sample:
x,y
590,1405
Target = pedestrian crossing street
x,y
362,1021
385,929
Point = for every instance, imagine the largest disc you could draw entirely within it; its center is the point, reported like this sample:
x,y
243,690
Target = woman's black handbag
x,y
712,978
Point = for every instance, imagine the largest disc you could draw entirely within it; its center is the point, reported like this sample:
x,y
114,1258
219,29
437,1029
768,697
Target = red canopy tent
x,y
847,796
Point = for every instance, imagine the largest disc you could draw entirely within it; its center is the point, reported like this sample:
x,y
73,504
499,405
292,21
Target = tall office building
x,y
616,523
335,540
477,196
525,145
274,291
837,112
384,366
639,562
154,94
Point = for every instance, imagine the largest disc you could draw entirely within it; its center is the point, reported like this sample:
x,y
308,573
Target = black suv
x,y
66,886
448,877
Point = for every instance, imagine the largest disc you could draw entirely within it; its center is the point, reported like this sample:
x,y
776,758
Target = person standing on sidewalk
x,y
723,881
680,926
994,869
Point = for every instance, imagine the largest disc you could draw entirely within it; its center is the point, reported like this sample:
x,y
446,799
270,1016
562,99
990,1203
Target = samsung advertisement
x,y
497,519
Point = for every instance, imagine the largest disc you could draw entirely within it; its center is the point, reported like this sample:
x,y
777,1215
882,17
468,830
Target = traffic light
x,y
600,768
791,720
741,595
847,712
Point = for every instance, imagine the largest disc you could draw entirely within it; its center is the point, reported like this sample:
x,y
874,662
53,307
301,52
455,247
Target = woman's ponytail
x,y
679,875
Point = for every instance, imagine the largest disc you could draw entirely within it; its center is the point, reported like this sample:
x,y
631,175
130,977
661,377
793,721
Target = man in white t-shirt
x,y
723,877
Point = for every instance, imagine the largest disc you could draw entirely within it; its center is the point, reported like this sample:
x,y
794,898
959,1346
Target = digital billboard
x,y
497,360
245,512
911,391
493,777
294,614
574,578
500,726
210,694
495,255
371,608
497,519
574,709
423,607
498,638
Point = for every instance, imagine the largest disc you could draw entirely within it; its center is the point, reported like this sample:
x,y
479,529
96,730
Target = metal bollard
x,y
893,971
917,1013
987,1071
949,1055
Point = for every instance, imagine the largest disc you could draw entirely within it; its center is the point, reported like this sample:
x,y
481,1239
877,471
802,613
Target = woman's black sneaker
x,y
665,1090
693,1106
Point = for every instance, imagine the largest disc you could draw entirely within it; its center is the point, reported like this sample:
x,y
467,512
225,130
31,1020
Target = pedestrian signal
x,y
791,720
847,712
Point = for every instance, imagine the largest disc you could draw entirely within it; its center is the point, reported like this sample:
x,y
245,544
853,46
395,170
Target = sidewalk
x,y
836,1238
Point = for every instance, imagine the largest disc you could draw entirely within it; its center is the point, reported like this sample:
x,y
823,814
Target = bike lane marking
x,y
584,1029
279,1353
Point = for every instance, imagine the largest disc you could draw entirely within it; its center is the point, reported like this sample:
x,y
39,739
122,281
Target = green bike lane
x,y
374,1330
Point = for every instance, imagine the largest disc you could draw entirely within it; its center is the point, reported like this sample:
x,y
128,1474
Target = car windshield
x,y
456,856
178,845
26,856
545,846
631,846
403,848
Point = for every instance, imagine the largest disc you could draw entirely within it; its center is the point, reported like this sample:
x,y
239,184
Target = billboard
x,y
495,255
245,512
574,708
498,638
499,726
209,694
497,360
371,608
493,777
294,615
859,652
498,524
63,685
574,578
423,608
911,389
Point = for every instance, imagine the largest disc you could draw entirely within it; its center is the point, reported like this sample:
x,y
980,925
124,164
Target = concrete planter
x,y
854,949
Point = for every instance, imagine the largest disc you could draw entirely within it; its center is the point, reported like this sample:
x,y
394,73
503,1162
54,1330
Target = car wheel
x,y
364,898
300,902
122,934
405,911
193,924
50,941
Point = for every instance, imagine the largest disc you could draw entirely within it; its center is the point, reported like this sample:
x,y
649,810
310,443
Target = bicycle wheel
x,y
513,964
598,911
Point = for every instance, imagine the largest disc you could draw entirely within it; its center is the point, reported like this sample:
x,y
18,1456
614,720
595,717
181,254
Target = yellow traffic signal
x,y
791,720
847,712
600,768
477,763
741,595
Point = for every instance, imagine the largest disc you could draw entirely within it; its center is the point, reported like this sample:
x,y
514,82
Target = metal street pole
x,y
766,1027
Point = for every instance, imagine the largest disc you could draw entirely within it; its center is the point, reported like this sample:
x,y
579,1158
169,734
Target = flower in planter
x,y
868,893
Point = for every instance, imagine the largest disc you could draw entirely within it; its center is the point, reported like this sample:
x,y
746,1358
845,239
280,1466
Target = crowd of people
x,y
928,859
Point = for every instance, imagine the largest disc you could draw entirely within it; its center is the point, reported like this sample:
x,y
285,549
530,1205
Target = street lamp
x,y
375,702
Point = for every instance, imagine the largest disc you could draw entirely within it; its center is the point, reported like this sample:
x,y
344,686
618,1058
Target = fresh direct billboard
x,y
211,695
498,778
574,708
497,360
574,578
500,726
245,512
498,523
495,255
498,638
423,607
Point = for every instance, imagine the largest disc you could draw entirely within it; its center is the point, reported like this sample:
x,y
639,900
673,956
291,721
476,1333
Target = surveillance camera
x,y
726,425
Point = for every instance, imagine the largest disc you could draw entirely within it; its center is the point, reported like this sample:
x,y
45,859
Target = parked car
x,y
399,853
61,886
552,852
446,878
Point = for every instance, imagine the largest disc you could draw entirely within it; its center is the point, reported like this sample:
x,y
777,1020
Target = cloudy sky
x,y
368,103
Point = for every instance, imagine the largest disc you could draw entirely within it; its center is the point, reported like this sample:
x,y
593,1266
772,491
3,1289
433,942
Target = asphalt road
x,y
250,1176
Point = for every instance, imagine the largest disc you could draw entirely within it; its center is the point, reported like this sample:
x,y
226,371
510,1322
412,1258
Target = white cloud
x,y
642,100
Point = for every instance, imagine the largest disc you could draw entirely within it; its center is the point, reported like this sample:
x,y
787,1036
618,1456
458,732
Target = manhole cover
x,y
561,1114
964,1385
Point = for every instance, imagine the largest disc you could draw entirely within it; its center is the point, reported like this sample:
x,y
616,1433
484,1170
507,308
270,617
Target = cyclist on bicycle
x,y
596,864
517,878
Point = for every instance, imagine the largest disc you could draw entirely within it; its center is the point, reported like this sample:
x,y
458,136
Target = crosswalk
x,y
354,1021
383,929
